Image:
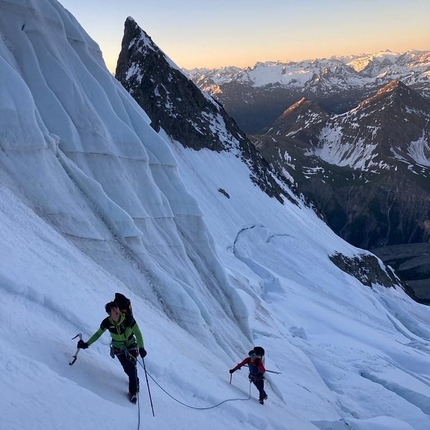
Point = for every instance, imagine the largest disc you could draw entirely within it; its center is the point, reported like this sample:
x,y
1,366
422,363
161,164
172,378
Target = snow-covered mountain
x,y
350,71
389,129
366,171
94,201
256,96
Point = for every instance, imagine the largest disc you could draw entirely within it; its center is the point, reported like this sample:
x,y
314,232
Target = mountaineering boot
x,y
262,400
132,397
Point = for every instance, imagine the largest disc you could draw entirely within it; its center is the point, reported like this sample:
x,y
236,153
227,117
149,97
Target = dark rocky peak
x,y
186,114
380,131
172,101
302,116
397,92
305,107
366,170
302,104
392,86
391,120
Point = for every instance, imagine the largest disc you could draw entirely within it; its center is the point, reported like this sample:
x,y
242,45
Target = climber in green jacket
x,y
127,343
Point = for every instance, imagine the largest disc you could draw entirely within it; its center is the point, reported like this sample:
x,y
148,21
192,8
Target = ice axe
x,y
75,357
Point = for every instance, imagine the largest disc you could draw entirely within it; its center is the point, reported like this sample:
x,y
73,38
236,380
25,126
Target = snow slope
x,y
93,201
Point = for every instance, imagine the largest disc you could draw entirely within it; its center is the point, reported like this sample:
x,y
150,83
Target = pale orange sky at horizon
x,y
241,33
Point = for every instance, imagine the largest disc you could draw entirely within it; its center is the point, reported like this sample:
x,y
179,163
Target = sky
x,y
239,33
93,201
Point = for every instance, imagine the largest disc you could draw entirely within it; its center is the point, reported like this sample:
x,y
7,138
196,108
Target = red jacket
x,y
256,366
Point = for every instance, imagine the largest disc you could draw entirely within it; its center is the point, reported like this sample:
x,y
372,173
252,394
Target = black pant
x,y
259,383
128,360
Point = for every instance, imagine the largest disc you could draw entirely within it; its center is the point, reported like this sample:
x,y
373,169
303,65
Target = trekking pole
x,y
75,357
231,375
138,398
147,384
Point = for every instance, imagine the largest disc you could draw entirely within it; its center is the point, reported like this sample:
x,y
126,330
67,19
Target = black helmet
x,y
109,306
259,350
252,353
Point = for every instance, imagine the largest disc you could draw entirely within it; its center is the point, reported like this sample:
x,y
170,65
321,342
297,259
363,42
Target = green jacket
x,y
124,333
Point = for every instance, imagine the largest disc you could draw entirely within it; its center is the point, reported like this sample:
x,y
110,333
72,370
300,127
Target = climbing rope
x,y
189,406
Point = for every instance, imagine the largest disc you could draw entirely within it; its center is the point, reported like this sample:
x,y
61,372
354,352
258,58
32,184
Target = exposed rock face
x,y
411,262
175,104
366,171
367,269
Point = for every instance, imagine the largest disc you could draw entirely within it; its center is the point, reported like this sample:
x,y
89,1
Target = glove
x,y
82,344
231,371
142,352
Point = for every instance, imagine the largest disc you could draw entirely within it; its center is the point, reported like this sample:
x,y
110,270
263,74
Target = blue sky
x,y
223,33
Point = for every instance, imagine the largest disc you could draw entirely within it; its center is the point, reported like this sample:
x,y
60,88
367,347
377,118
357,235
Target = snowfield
x,y
93,202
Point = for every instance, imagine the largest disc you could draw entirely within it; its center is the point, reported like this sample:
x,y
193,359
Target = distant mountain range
x,y
256,96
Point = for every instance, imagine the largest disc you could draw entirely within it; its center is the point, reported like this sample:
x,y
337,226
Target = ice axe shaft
x,y
75,357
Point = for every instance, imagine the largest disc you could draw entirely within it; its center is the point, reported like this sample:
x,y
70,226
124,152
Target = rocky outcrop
x,y
367,269
412,263
176,106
